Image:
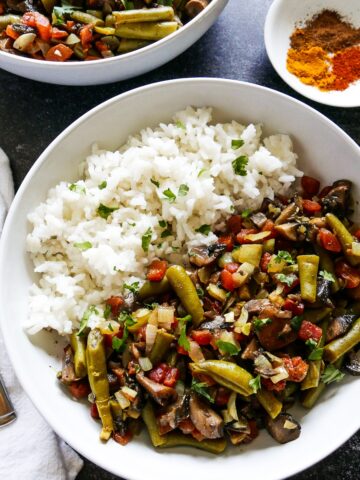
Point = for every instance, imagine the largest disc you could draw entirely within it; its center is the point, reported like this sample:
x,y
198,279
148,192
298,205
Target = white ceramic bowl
x,y
116,68
280,24
324,151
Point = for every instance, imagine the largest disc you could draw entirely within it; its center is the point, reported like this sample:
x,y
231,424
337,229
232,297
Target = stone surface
x,y
32,114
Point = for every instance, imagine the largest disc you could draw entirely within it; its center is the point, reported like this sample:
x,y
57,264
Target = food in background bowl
x,y
90,29
223,334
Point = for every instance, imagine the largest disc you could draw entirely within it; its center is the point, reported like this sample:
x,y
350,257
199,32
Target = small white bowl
x,y
325,152
117,68
280,23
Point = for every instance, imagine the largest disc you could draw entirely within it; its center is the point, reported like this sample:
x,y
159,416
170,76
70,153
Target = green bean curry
x,y
62,30
215,350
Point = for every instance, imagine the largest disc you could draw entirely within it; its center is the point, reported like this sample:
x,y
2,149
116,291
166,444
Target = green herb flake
x,y
166,3
227,348
102,185
118,344
83,246
246,213
169,195
239,165
203,170
155,182
103,211
296,322
126,319
311,343
132,287
183,190
166,233
201,388
235,144
183,341
327,276
85,318
284,255
204,229
287,279
132,224
110,327
331,374
255,384
259,323
107,311
162,223
175,249
74,187
128,5
180,124
146,239
200,292
316,354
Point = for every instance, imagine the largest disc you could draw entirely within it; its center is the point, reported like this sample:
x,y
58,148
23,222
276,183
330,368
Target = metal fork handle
x,y
7,411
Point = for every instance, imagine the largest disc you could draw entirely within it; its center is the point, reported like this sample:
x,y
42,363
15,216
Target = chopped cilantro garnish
x,y
77,188
162,223
132,287
235,144
169,195
311,343
132,224
183,340
327,276
203,170
128,5
156,183
175,249
103,211
166,233
227,348
287,279
107,311
83,245
296,322
103,185
331,374
255,383
316,354
126,319
183,190
259,323
284,255
110,327
239,165
200,291
146,239
166,3
201,388
180,124
85,318
246,213
204,229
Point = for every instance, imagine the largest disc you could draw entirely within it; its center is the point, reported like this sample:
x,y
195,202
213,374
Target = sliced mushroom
x,y
114,383
288,213
250,351
205,419
175,413
352,364
205,255
160,393
337,199
323,292
288,231
257,305
259,219
339,325
194,7
217,322
68,370
284,428
275,335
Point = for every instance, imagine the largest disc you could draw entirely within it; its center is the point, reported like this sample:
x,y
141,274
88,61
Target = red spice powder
x,y
346,67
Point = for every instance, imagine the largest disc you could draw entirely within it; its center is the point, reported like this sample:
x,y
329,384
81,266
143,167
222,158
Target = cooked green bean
x,y
226,374
148,416
96,365
9,19
308,270
311,396
327,264
343,235
78,345
161,346
317,314
175,439
84,17
312,378
186,291
152,289
146,30
338,347
269,402
129,45
144,15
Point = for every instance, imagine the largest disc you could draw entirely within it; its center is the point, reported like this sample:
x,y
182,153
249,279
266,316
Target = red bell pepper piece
x,y
310,185
329,241
349,274
157,270
309,331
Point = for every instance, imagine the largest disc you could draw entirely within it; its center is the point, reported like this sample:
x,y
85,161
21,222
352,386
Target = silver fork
x,y
7,411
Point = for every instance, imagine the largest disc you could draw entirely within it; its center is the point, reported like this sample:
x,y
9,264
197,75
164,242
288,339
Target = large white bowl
x,y
116,68
325,151
280,23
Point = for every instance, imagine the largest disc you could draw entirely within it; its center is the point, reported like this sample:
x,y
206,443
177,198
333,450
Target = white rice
x,y
189,152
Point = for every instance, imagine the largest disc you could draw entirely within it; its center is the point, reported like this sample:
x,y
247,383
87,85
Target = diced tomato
x,y
58,53
29,19
79,389
122,439
329,241
197,435
158,374
241,236
227,280
288,288
239,337
181,350
109,336
115,303
186,426
310,185
57,34
70,24
325,191
234,224
273,387
86,36
269,226
202,337
296,367
94,412
349,274
357,234
231,267
228,241
172,375
157,270
10,32
43,26
141,334
311,207
297,308
101,46
222,396
265,260
309,330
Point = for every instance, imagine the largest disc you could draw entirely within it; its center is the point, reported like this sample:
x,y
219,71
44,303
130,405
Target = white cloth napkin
x,y
29,449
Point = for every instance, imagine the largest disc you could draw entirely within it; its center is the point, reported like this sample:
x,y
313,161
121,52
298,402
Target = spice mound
x,y
325,53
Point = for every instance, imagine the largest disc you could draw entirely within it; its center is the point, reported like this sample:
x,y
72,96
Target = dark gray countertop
x,y
32,114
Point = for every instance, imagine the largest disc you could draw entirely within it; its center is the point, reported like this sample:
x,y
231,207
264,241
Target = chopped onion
x,y
226,416
165,317
153,319
122,400
242,320
290,425
133,413
91,398
145,364
150,335
231,406
277,361
281,374
141,313
246,269
108,327
129,393
195,352
246,329
262,294
355,249
72,39
229,317
241,425
24,42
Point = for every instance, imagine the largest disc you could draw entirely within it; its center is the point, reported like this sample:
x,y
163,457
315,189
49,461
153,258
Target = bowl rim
x,y
23,378
124,57
274,11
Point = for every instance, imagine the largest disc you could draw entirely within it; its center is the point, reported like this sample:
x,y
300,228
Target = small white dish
x,y
117,68
280,23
